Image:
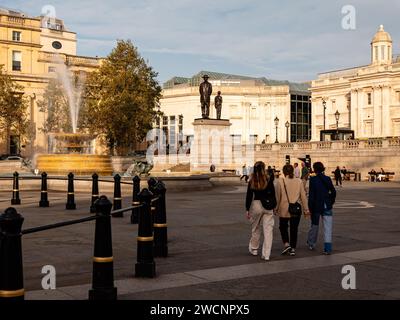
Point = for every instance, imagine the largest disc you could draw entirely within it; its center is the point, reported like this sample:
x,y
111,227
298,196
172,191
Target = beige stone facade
x,y
250,104
29,54
367,97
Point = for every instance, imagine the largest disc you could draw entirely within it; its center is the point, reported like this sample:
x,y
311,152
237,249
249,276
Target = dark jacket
x,y
262,195
321,191
338,174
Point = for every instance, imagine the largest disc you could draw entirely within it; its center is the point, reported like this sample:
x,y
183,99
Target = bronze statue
x,y
205,94
218,104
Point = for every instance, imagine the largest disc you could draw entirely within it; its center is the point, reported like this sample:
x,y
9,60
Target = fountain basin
x,y
78,164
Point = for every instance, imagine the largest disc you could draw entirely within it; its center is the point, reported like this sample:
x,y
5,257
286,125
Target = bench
x,y
229,171
373,176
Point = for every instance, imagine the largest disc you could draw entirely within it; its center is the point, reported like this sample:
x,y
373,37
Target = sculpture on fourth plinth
x,y
218,104
205,94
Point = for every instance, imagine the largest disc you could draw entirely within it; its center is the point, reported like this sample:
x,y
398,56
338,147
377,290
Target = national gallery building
x,y
365,99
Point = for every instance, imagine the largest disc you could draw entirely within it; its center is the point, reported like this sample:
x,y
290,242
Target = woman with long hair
x,y
260,205
290,193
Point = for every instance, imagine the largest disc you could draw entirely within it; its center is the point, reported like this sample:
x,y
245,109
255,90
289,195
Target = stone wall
x,y
356,155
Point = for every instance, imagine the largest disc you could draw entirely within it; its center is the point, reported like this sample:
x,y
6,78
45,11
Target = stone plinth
x,y
212,145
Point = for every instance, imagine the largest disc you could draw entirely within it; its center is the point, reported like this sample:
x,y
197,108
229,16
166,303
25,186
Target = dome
x,y
382,36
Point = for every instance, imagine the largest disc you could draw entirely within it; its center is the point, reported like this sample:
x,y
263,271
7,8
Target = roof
x,y
382,35
215,76
12,12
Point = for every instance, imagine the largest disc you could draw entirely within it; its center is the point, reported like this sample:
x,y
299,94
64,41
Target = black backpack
x,y
269,201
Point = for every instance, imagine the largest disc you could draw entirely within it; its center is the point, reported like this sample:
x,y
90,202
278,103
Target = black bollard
x,y
145,266
15,197
103,261
44,201
117,196
152,184
71,195
160,223
11,268
95,192
152,188
135,200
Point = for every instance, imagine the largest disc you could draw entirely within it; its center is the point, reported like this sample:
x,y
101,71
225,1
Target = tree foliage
x,y
13,107
121,98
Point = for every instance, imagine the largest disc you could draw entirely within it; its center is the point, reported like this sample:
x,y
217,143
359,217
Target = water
x,y
73,93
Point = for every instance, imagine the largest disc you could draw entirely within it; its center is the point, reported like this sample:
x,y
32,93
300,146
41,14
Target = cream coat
x,y
296,192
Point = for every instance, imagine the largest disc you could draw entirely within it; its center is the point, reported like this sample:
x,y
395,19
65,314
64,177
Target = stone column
x,y
354,112
376,92
386,90
360,104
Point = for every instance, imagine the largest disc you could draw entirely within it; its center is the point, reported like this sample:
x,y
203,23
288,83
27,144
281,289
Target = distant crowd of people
x,y
286,197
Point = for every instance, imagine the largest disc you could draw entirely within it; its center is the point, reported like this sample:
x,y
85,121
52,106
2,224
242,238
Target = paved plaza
x,y
208,241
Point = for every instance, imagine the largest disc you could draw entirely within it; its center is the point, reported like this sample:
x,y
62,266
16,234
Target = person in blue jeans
x,y
322,196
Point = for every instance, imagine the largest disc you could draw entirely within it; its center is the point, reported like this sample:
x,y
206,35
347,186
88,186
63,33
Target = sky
x,y
284,40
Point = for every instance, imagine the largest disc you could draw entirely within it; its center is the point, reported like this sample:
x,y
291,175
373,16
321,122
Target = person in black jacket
x,y
260,205
322,196
338,176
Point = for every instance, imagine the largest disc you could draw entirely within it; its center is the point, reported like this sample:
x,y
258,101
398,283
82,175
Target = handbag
x,y
269,202
295,209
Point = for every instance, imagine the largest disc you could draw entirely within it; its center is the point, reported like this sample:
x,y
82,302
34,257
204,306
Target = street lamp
x,y
276,128
324,105
337,116
287,125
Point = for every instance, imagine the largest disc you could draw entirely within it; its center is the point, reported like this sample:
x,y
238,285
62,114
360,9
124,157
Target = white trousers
x,y
262,222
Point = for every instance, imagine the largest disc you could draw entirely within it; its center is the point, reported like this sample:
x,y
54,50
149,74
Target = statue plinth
x,y
212,145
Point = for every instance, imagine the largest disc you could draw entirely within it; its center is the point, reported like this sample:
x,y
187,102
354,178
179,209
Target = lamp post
x,y
337,116
287,125
324,105
276,128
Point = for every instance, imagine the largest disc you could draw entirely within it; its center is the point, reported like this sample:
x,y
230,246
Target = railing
x,y
372,143
149,205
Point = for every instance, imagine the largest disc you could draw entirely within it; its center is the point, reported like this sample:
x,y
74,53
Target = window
x,y
300,118
16,60
376,53
383,52
16,36
52,69
369,97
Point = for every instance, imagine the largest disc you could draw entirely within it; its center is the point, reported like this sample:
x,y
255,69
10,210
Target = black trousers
x,y
338,180
293,225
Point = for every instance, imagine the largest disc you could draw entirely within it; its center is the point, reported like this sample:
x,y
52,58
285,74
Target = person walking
x,y
305,174
260,205
297,173
290,193
245,173
322,196
338,176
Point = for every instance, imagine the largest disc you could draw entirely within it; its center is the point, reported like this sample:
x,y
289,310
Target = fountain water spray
x,y
74,94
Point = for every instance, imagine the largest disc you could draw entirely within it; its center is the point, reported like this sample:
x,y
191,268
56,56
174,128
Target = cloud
x,y
277,39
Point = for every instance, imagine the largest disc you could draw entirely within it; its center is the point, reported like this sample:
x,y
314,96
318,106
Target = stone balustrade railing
x,y
69,60
375,143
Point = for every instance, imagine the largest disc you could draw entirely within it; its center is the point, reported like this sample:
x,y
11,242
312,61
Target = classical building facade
x,y
31,50
251,105
366,97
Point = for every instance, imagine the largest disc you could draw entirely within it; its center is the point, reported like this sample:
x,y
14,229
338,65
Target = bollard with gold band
x,y
15,195
71,195
11,268
160,223
95,192
44,201
117,196
145,266
135,200
103,263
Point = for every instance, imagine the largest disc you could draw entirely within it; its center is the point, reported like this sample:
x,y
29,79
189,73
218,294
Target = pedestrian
x,y
338,176
260,205
322,196
290,194
344,171
297,173
245,174
305,174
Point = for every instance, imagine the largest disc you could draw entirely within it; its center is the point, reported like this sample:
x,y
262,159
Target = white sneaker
x,y
265,258
253,252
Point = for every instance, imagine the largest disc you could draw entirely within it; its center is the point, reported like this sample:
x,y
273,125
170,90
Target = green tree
x,y
55,105
121,98
13,108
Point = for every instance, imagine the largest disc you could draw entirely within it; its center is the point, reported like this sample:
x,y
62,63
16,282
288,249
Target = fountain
x,y
72,152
